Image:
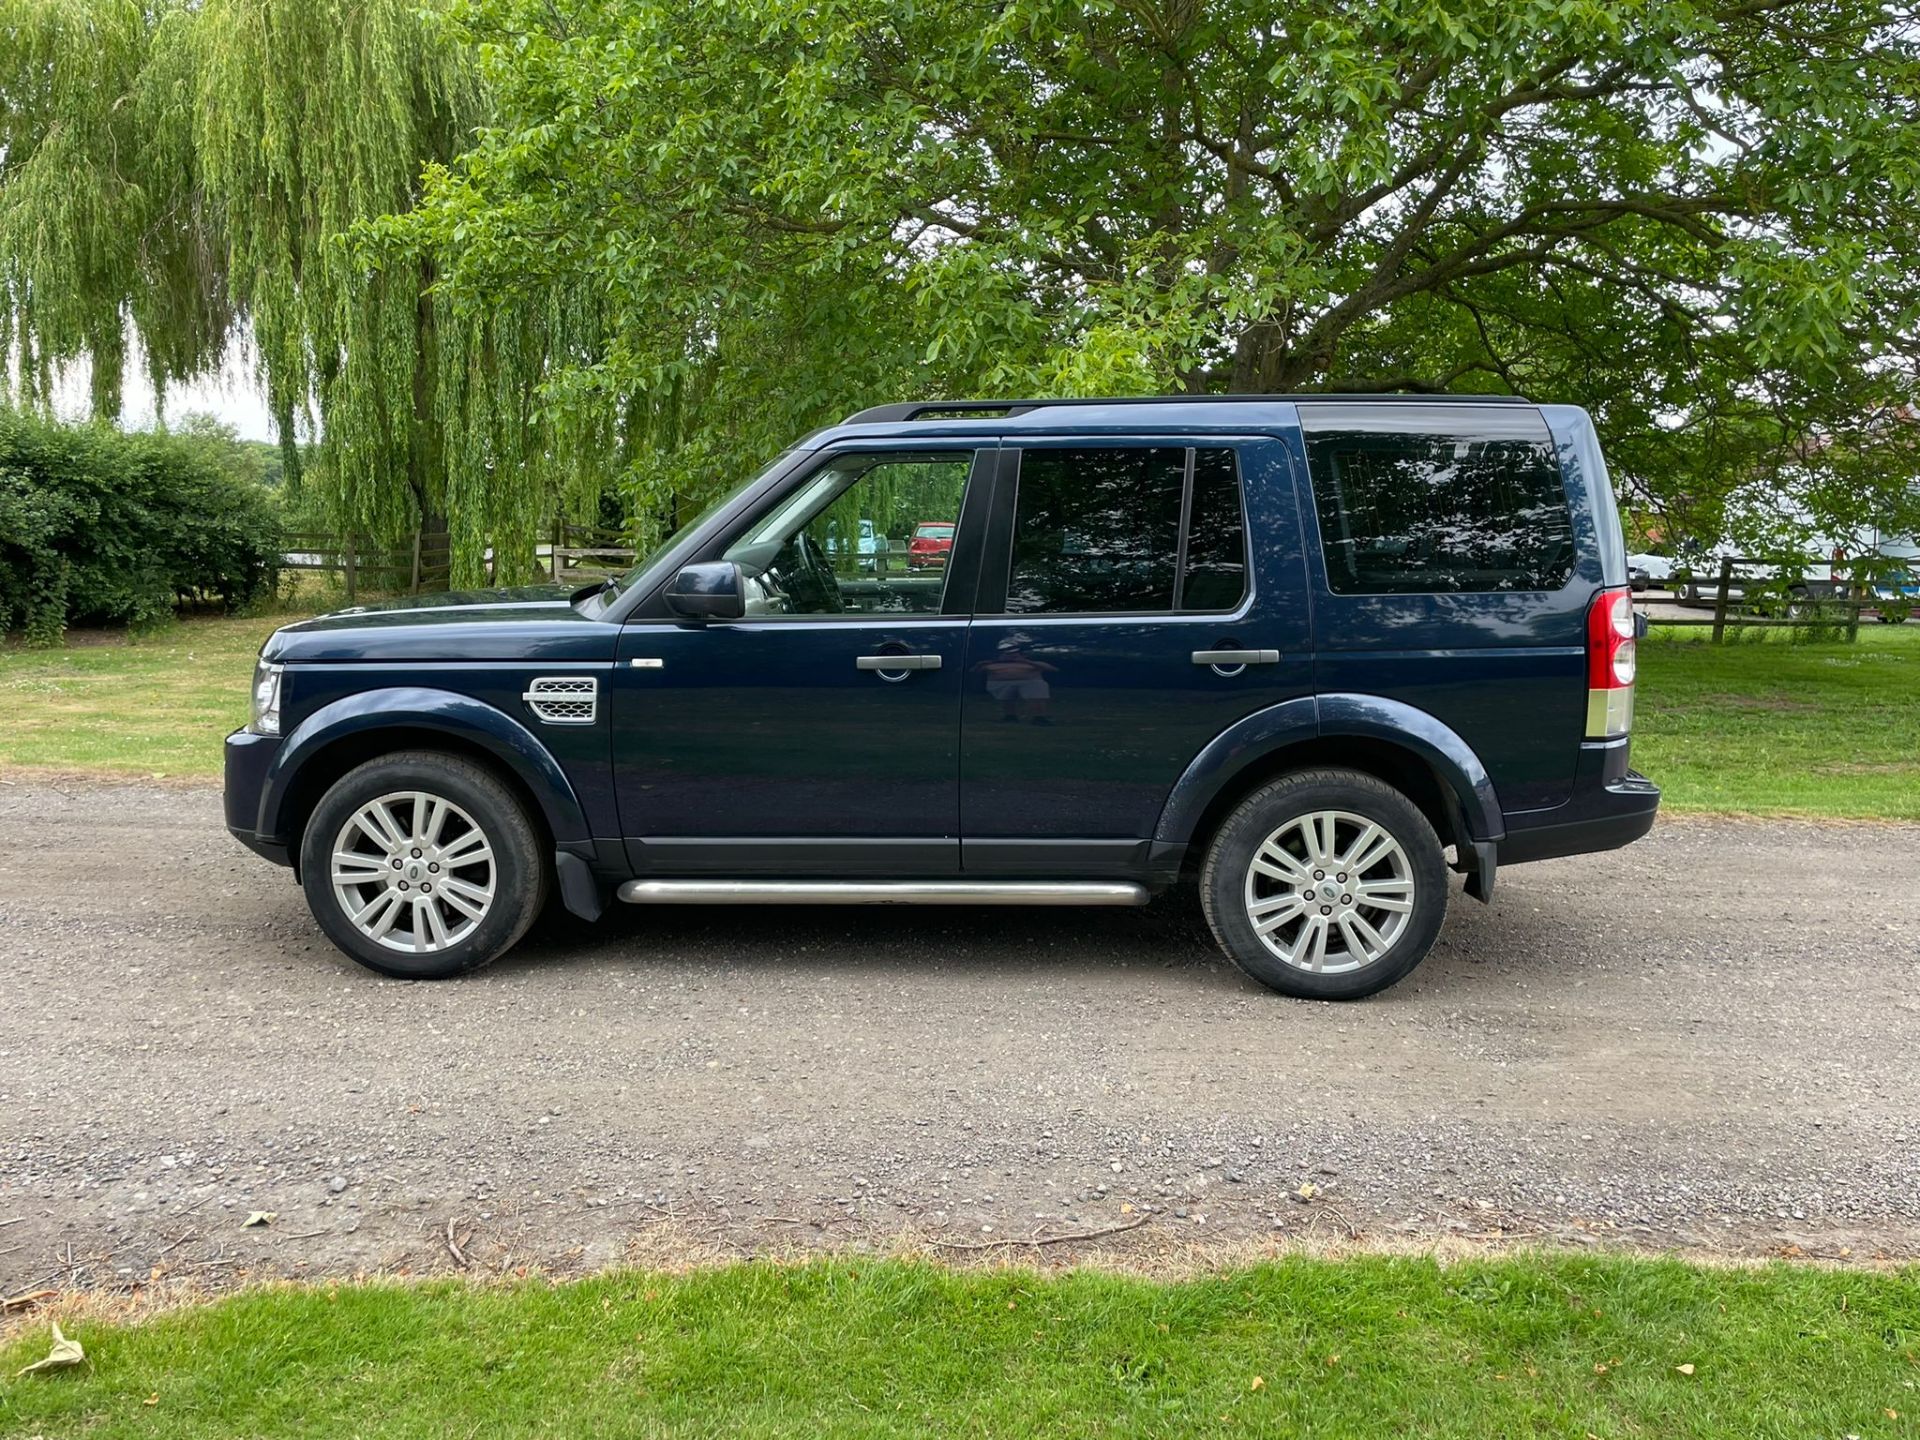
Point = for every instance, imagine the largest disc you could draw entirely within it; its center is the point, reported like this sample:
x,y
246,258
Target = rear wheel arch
x,y
1395,742
1400,766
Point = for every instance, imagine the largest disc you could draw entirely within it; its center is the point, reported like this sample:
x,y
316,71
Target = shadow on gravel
x,y
1101,946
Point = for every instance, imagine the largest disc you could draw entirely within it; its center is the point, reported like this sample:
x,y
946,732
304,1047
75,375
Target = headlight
x,y
266,699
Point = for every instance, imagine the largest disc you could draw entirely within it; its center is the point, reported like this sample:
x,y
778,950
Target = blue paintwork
x,y
1258,737
1126,708
764,727
762,730
1375,717
1228,756
713,588
1505,671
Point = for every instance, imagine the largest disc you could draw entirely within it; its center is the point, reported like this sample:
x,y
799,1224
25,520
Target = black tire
x,y
1225,877
517,869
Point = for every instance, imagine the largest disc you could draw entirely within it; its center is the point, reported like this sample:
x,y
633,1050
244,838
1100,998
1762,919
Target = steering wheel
x,y
808,578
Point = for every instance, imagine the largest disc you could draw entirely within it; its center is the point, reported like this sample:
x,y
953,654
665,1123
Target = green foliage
x,y
1696,219
509,249
190,168
97,525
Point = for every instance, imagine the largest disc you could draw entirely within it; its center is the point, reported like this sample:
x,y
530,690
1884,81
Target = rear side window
x,y
1437,499
1125,529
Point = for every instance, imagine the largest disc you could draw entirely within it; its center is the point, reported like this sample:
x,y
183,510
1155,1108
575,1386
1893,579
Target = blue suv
x,y
1306,652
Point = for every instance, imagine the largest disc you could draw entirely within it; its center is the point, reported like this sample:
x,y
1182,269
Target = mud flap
x,y
580,891
1480,877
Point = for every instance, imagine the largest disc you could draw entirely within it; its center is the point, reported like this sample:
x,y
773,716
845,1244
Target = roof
x,y
997,409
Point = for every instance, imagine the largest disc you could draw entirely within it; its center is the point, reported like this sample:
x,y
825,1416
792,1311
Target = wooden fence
x,y
584,552
1743,599
423,564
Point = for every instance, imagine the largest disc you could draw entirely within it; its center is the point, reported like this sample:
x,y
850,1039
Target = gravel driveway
x,y
1708,1041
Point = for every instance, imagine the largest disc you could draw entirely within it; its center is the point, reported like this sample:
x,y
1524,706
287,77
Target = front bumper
x,y
249,757
1611,806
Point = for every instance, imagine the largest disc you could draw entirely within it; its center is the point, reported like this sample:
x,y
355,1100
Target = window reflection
x,y
1407,513
1216,573
1096,530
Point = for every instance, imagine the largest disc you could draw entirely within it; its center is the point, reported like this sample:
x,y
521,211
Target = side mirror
x,y
713,590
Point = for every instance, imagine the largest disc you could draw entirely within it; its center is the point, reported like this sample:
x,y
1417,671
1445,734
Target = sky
x,y
232,393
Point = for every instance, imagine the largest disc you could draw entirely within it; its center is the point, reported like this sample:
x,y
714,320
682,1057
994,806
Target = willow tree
x,y
1695,216
195,169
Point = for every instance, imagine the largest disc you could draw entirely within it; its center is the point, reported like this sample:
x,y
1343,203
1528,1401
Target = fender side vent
x,y
563,699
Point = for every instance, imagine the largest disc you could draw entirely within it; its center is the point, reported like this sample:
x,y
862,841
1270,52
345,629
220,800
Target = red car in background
x,y
931,544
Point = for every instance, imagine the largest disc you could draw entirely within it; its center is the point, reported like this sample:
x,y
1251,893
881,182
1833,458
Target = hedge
x,y
99,526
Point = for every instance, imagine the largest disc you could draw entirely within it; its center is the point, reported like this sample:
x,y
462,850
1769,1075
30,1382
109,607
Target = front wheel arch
x,y
350,731
327,765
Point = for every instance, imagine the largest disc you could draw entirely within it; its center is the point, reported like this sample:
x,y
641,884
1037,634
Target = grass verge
x,y
1567,1345
132,705
1756,727
1762,727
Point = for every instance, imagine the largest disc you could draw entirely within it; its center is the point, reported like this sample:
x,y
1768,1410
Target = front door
x,y
819,734
1135,622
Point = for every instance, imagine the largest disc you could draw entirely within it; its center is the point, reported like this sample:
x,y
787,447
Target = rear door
x,y
1446,575
1114,569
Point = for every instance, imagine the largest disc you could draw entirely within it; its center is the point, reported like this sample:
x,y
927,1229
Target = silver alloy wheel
x,y
1330,892
413,872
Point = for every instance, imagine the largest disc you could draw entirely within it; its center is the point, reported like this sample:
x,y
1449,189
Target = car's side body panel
x,y
1504,670
1086,740
755,747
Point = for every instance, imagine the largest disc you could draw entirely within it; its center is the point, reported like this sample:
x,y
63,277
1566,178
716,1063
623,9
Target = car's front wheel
x,y
422,865
1325,884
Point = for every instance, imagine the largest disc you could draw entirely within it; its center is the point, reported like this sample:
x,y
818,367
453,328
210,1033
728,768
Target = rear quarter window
x,y
1437,499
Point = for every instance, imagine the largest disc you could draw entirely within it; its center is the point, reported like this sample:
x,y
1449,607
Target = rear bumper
x,y
1611,806
249,757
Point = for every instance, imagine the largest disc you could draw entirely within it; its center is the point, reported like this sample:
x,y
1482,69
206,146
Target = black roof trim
x,y
989,409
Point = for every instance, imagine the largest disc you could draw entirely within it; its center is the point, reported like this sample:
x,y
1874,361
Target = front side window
x,y
1454,502
1100,531
846,541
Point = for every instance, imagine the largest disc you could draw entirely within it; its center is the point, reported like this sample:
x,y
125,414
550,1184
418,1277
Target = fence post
x,y
416,560
350,569
559,538
1720,600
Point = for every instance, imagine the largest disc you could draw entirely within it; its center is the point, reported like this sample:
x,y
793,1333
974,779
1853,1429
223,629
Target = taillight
x,y
1611,658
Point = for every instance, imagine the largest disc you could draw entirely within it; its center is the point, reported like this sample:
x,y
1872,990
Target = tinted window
x,y
1464,502
1216,573
1096,530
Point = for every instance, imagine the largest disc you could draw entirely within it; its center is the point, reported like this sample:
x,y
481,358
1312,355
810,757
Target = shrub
x,y
101,526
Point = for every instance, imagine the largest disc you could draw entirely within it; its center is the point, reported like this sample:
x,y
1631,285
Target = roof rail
x,y
992,409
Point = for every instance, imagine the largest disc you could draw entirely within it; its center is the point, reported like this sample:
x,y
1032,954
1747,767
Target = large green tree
x,y
1697,218
191,170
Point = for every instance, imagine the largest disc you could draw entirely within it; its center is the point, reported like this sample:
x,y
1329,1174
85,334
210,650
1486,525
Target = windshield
x,y
691,513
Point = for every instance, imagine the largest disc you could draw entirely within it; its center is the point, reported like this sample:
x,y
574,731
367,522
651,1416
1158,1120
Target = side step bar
x,y
882,892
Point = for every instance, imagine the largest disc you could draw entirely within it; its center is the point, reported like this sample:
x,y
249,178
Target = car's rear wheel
x,y
1325,884
422,865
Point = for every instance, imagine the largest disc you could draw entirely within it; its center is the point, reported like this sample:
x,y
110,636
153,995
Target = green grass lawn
x,y
1551,1346
131,705
1751,727
1764,727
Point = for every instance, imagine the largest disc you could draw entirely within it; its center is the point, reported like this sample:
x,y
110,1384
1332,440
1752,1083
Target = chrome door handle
x,y
896,662
1236,657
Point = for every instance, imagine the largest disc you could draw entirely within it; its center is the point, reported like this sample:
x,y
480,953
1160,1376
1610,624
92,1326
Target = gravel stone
x,y
1592,1059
